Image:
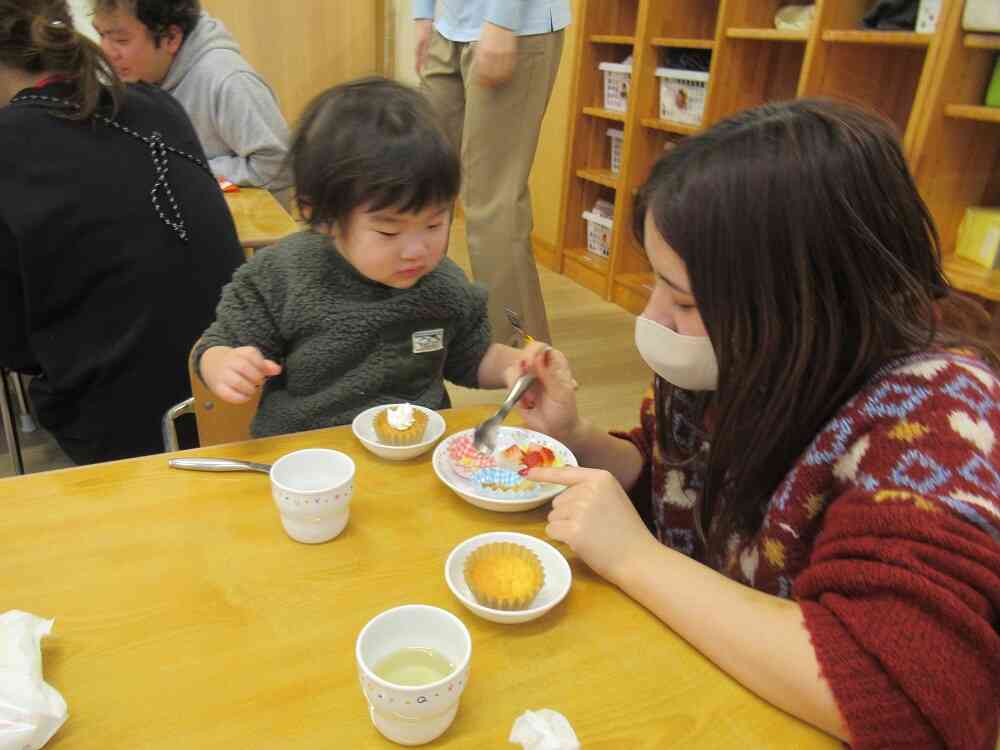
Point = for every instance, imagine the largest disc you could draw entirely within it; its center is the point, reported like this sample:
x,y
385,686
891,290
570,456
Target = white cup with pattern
x,y
312,489
413,714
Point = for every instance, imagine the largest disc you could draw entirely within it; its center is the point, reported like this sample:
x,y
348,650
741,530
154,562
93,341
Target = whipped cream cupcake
x,y
400,425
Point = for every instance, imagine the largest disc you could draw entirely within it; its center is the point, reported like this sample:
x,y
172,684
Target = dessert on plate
x,y
504,575
400,425
464,457
503,483
500,474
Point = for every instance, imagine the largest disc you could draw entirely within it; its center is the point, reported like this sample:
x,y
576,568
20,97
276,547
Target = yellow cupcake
x,y
504,575
400,425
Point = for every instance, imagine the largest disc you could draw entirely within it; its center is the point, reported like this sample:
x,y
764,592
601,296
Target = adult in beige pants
x,y
488,69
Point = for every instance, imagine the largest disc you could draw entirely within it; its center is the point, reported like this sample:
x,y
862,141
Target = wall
x,y
547,173
403,41
549,168
302,47
81,10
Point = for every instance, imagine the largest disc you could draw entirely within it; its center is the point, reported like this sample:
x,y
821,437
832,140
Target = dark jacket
x,y
103,299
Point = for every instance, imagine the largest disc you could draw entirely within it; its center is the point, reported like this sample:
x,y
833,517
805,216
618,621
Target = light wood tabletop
x,y
185,617
260,219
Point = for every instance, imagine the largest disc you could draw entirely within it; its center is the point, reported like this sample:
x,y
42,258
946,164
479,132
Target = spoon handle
x,y
521,385
217,464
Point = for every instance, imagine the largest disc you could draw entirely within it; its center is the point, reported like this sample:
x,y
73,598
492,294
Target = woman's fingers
x,y
565,475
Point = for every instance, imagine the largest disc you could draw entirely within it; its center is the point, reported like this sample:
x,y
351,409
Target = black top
x,y
107,283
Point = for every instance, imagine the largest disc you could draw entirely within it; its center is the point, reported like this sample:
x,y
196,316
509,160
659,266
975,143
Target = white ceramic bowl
x,y
364,431
558,577
468,490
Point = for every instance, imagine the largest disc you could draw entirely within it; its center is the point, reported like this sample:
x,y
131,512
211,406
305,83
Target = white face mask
x,y
685,361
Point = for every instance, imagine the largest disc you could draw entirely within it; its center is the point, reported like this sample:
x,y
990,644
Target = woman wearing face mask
x,y
817,461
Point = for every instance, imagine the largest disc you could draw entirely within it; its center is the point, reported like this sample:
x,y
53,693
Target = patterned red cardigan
x,y
887,533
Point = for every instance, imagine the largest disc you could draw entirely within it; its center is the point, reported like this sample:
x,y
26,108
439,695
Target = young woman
x,y
818,459
115,240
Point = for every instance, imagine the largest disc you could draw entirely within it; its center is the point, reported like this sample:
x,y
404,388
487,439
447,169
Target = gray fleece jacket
x,y
347,343
234,111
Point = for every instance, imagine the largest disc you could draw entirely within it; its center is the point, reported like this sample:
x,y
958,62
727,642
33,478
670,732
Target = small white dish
x,y
471,493
558,577
364,430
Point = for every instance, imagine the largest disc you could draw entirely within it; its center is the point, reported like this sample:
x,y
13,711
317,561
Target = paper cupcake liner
x,y
465,459
504,575
503,483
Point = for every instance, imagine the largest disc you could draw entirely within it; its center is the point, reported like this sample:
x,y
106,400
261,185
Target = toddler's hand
x,y
235,375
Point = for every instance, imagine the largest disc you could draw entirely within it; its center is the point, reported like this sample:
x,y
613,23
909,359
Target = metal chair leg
x,y
9,426
169,425
26,418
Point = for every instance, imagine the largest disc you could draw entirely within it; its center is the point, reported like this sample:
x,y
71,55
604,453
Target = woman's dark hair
x,y
37,36
157,15
813,262
371,142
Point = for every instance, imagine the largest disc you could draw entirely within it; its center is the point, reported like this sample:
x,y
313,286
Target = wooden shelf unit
x,y
982,41
930,85
882,38
681,42
772,35
973,112
956,150
612,39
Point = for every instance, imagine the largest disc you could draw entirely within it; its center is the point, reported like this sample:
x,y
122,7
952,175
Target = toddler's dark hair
x,y
371,142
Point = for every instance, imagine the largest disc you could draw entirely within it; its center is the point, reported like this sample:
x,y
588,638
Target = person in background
x,y
115,240
174,45
363,308
812,498
488,67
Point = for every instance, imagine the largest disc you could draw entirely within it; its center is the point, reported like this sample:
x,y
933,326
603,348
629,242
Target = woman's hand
x,y
235,375
423,28
496,56
549,406
597,520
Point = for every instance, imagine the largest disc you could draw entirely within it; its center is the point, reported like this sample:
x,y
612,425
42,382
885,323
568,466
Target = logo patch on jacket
x,y
428,341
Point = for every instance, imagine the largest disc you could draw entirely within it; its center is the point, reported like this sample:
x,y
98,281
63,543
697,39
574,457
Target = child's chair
x,y
217,421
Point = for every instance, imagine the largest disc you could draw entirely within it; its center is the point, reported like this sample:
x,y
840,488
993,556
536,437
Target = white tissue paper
x,y
31,711
544,729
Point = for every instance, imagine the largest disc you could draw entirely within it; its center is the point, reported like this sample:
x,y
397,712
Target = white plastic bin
x,y
598,234
682,95
617,81
927,16
617,138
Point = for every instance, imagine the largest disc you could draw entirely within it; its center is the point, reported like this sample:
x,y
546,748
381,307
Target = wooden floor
x,y
597,336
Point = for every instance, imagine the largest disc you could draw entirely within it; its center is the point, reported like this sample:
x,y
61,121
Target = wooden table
x,y
260,219
186,618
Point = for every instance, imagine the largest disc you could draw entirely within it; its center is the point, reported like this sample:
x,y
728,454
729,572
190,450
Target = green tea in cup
x,y
414,666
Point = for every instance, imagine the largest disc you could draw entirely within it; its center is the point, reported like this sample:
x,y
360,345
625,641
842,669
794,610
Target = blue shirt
x,y
462,20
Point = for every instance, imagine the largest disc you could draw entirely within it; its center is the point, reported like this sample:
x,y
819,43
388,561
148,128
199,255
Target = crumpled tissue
x,y
544,729
31,711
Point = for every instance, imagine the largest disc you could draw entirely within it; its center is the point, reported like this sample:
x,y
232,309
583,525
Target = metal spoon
x,y
485,436
217,464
